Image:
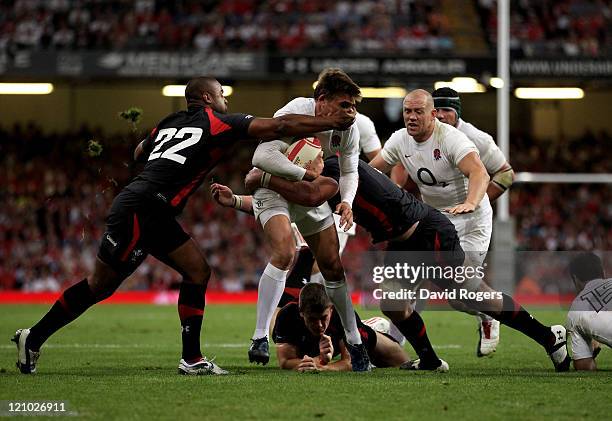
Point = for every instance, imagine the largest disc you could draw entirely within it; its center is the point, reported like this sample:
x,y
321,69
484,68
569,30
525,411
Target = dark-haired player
x,y
590,316
334,90
180,152
309,334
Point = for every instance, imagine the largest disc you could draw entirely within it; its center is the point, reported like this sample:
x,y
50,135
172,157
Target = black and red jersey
x,y
380,207
183,149
290,328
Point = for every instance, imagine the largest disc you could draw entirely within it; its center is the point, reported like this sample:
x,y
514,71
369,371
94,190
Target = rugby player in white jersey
x,y
474,237
334,90
369,146
369,142
448,110
450,176
590,316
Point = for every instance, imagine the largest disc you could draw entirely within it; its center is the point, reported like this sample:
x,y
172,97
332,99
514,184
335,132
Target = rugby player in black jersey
x,y
179,153
309,335
391,214
387,212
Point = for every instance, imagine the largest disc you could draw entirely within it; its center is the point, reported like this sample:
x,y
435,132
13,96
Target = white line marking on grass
x,y
119,346
206,345
448,346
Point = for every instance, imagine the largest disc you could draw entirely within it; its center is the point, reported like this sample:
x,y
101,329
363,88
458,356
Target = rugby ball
x,y
304,151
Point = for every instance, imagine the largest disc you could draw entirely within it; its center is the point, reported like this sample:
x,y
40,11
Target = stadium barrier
x,y
221,297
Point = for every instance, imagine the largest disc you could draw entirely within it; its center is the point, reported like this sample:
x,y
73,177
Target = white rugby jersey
x,y
590,317
490,154
346,143
433,164
368,139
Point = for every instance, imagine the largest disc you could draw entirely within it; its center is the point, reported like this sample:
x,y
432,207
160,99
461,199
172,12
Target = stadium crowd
x,y
568,28
55,197
237,25
587,153
547,27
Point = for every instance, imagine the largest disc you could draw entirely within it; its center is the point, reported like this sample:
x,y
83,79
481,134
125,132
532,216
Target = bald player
x,y
474,231
446,167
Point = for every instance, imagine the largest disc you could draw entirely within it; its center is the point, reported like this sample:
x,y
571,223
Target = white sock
x,y
271,287
339,295
395,333
317,278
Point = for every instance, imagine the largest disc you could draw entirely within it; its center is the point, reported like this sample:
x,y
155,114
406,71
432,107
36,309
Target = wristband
x,y
237,202
265,179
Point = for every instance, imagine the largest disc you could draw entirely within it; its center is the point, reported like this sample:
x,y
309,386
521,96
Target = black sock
x,y
295,279
301,269
413,328
516,317
191,312
72,303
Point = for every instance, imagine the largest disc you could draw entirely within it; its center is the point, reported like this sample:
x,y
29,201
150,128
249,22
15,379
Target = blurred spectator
x,y
553,27
588,153
558,217
231,25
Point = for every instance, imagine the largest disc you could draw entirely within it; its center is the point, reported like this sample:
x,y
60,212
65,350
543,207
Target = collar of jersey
x,y
421,145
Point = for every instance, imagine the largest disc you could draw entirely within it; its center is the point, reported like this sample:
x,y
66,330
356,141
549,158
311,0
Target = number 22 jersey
x,y
183,149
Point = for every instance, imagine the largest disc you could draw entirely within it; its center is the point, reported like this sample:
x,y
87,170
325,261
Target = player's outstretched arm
x,y
304,193
224,196
300,125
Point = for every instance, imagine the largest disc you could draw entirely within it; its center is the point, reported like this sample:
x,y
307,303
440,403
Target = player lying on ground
x,y
387,212
390,213
180,152
589,319
334,90
309,335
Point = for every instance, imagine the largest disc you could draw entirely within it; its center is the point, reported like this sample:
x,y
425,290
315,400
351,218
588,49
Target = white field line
x,y
206,345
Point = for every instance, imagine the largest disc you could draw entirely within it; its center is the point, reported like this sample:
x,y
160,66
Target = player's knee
x,y
397,315
283,257
331,269
198,275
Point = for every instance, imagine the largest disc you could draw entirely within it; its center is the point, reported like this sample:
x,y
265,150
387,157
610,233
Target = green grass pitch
x,y
120,362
